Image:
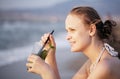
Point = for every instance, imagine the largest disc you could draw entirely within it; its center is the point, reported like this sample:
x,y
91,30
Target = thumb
x,y
52,41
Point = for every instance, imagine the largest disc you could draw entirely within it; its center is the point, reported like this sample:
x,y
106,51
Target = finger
x,y
41,43
29,65
46,35
44,38
30,70
34,56
52,40
31,58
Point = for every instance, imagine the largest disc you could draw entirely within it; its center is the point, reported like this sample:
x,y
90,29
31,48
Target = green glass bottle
x,y
43,54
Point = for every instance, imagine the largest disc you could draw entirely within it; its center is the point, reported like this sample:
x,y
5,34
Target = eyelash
x,y
72,30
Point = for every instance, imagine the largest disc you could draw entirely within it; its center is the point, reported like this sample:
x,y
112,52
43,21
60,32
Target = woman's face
x,y
77,33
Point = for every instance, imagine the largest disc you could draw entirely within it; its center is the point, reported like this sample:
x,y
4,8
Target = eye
x,y
71,29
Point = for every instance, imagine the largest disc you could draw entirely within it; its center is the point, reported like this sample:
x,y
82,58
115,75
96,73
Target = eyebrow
x,y
69,28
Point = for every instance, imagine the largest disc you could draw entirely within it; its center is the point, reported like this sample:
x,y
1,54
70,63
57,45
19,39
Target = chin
x,y
75,50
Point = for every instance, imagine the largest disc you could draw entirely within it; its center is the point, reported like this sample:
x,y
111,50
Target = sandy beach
x,y
16,70
67,65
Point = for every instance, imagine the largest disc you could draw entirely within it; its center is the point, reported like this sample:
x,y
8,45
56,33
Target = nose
x,y
68,37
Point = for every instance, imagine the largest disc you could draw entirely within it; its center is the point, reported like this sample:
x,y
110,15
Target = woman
x,y
86,33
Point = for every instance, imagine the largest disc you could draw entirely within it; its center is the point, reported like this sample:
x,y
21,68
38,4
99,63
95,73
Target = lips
x,y
72,43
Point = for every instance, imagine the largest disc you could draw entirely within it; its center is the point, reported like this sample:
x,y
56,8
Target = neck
x,y
93,50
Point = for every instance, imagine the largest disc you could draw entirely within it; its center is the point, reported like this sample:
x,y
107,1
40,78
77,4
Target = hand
x,y
50,46
48,67
38,66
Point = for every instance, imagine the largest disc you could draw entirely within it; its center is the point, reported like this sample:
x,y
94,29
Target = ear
x,y
92,30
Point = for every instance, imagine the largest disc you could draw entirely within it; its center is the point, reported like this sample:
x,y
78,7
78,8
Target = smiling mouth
x,y
72,43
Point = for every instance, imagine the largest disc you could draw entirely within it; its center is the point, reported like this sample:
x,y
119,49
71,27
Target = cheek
x,y
83,40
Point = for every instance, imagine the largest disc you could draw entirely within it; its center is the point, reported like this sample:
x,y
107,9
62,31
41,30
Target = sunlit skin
x,y
46,69
82,38
77,35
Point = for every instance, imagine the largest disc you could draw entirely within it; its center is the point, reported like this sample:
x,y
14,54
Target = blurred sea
x,y
17,38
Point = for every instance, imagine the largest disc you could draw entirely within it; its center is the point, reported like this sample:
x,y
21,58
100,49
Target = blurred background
x,y
23,22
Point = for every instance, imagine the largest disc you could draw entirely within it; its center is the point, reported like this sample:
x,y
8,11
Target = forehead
x,y
73,21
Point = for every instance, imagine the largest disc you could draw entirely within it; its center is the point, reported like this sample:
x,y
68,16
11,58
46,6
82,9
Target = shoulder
x,y
109,65
86,64
83,69
82,72
107,69
105,66
102,71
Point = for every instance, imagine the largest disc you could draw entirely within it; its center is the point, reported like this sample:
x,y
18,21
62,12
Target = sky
x,y
29,4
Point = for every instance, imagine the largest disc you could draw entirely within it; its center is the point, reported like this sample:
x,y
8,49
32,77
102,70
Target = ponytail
x,y
104,30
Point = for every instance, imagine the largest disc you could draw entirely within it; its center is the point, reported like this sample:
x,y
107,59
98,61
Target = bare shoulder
x,y
109,65
107,69
82,72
